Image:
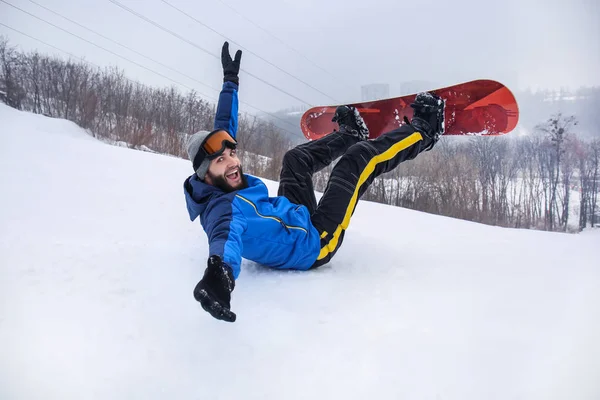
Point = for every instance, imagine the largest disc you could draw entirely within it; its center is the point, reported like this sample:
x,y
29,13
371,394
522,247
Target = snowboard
x,y
480,107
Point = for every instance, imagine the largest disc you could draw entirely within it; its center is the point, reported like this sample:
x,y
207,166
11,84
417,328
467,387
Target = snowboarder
x,y
290,231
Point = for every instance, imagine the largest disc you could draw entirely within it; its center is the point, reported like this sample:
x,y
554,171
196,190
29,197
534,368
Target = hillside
x,y
98,260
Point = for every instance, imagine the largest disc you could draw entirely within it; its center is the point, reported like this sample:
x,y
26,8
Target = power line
x,y
64,51
280,40
201,48
97,45
135,63
50,45
247,50
157,62
130,80
128,48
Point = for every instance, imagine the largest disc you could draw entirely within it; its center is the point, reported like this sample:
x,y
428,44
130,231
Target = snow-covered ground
x,y
98,260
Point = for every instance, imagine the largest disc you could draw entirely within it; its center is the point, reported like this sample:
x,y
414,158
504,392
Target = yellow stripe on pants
x,y
385,156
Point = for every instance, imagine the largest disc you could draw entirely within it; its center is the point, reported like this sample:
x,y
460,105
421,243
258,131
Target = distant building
x,y
375,91
411,87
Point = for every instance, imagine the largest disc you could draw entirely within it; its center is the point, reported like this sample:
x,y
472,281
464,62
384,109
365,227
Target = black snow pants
x,y
360,163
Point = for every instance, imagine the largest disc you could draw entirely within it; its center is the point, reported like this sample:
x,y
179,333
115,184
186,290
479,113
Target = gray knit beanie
x,y
193,146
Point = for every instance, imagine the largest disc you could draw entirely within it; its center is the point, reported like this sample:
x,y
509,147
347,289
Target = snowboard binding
x,y
349,120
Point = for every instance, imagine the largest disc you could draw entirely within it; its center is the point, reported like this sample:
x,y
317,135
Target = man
x,y
290,231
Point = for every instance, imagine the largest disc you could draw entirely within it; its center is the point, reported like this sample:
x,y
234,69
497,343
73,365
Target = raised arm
x,y
227,109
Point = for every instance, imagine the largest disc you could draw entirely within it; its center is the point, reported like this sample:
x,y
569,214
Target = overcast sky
x,y
524,43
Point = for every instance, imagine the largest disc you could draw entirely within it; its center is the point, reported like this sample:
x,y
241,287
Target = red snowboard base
x,y
481,107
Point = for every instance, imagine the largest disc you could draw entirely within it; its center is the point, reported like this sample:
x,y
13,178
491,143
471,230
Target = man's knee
x,y
358,155
362,149
294,158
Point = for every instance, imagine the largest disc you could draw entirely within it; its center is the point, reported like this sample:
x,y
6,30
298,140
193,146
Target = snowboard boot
x,y
428,116
350,122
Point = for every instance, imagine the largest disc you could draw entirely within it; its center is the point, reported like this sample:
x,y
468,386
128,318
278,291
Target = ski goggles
x,y
213,145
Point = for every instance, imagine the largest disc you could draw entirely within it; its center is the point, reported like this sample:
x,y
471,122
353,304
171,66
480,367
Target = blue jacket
x,y
248,223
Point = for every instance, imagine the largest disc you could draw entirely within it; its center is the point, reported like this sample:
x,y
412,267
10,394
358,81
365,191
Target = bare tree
x,y
556,129
10,61
522,182
594,185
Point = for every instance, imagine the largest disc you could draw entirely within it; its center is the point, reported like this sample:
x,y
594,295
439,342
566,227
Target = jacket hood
x,y
198,194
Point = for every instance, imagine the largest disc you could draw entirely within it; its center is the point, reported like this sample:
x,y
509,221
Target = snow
x,y
98,260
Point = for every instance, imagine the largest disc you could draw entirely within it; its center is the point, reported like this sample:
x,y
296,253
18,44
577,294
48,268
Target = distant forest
x,y
547,178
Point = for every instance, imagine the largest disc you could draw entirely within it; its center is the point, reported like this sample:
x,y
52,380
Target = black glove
x,y
214,289
231,68
428,116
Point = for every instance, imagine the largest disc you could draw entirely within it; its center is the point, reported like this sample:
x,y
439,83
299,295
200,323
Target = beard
x,y
221,182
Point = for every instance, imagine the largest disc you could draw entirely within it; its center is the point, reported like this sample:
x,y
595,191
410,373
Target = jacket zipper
x,y
285,226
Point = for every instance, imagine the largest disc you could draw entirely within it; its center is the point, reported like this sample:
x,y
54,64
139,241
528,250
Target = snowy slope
x,y
98,260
